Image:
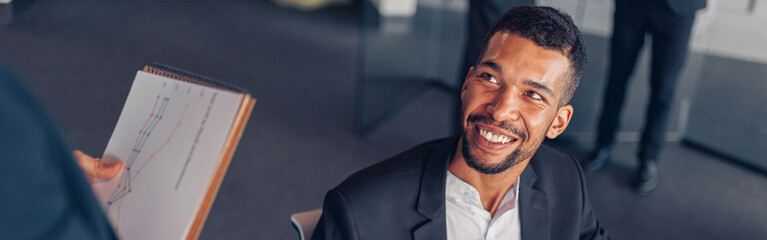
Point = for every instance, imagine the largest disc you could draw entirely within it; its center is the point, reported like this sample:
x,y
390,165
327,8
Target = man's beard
x,y
489,168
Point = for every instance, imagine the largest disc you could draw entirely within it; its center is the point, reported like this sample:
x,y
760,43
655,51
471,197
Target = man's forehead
x,y
505,46
510,53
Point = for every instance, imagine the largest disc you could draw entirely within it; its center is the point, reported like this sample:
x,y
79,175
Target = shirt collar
x,y
462,192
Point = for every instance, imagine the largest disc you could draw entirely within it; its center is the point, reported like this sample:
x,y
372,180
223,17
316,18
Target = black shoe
x,y
647,177
598,159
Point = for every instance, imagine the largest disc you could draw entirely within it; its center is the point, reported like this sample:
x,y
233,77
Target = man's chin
x,y
486,166
489,169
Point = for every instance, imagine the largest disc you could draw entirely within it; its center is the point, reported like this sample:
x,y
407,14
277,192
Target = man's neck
x,y
491,188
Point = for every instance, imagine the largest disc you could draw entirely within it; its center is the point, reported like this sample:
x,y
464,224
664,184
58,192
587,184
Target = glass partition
x,y
729,105
400,57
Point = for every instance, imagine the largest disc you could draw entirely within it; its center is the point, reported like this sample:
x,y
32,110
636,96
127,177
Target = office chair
x,y
304,222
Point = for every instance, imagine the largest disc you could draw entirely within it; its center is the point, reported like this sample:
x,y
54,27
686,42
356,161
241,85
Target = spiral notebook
x,y
176,135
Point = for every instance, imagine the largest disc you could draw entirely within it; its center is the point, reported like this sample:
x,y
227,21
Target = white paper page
x,y
169,135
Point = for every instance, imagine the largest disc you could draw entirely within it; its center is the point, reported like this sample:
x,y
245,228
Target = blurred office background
x,y
343,86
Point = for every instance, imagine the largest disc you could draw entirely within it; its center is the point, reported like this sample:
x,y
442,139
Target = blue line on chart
x,y
143,136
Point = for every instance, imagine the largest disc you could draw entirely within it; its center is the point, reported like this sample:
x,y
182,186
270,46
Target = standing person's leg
x,y
670,38
629,28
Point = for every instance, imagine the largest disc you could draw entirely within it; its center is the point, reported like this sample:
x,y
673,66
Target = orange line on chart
x,y
119,206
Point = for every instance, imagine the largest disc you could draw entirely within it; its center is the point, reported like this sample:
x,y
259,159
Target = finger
x,y
86,163
108,171
95,168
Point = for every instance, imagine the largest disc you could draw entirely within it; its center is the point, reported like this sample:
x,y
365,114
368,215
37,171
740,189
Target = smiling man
x,y
495,180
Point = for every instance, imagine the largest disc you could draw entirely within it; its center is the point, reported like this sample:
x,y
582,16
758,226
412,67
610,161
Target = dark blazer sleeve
x,y
590,227
385,201
336,221
43,193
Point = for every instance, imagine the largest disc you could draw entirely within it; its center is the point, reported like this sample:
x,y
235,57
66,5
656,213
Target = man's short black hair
x,y
549,28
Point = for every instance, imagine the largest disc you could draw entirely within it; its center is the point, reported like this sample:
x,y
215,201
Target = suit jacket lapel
x,y
533,214
431,199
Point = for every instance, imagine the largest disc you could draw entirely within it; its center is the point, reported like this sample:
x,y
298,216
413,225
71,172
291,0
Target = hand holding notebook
x,y
175,138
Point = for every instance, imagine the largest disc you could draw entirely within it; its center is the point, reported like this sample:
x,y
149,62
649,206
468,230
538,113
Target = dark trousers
x,y
670,35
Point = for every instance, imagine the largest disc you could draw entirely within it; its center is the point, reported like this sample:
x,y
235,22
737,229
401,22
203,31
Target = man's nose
x,y
505,106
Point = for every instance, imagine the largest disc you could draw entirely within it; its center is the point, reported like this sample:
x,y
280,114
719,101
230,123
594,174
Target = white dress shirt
x,y
467,219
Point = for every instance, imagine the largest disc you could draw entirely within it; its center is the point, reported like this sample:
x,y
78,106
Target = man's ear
x,y
561,120
466,82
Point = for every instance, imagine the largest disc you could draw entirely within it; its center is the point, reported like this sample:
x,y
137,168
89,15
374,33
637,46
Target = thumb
x,y
95,168
108,170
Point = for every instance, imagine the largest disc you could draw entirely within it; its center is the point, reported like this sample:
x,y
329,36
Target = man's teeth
x,y
487,135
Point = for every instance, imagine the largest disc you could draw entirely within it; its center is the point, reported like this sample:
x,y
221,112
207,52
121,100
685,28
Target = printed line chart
x,y
143,134
169,136
127,178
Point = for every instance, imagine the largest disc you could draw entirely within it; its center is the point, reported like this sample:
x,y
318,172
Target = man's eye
x,y
534,95
489,78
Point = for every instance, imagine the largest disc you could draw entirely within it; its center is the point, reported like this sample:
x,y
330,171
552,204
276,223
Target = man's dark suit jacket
x,y
404,198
